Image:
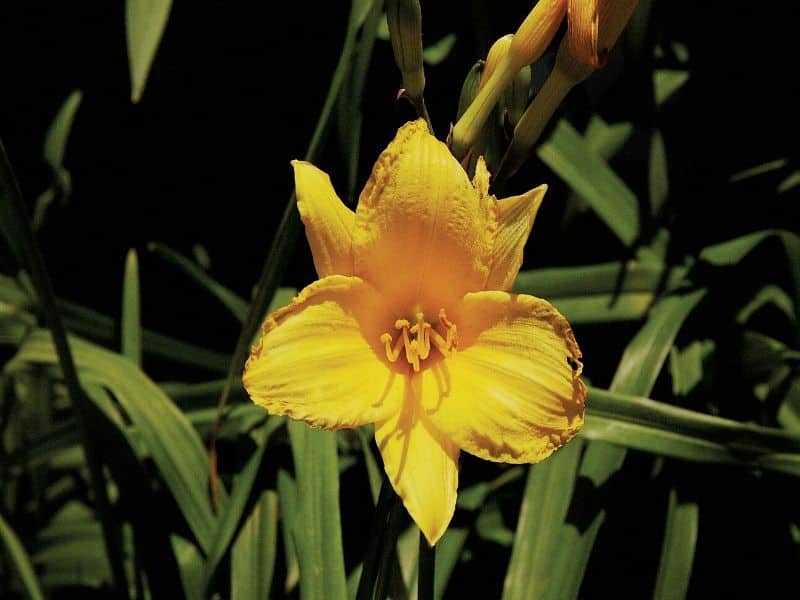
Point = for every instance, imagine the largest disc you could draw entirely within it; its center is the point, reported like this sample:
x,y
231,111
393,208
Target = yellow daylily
x,y
411,326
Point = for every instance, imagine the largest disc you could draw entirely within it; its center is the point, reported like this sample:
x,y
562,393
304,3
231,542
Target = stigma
x,y
415,341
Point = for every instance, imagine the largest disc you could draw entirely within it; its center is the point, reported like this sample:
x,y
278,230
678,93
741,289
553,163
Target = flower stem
x,y
383,536
427,569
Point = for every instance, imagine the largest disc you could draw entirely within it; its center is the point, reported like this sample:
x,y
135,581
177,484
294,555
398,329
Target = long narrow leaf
x,y
17,227
253,557
231,517
131,311
236,305
569,155
636,374
21,561
677,554
174,445
317,528
145,21
544,507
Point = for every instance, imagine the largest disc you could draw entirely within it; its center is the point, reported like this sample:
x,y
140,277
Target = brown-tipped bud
x,y
528,44
496,53
517,95
469,88
404,18
594,27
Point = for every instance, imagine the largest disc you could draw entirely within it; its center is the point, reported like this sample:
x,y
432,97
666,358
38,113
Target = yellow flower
x,y
411,326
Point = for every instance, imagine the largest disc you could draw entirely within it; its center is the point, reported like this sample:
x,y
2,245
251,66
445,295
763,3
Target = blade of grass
x,y
131,312
173,443
568,154
543,508
253,556
230,519
641,362
18,226
677,554
316,527
145,21
236,305
21,561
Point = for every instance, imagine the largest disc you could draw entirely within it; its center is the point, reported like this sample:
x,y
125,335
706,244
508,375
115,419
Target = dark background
x,y
233,96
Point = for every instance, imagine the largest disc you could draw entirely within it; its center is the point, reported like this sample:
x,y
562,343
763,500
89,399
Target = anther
x,y
415,340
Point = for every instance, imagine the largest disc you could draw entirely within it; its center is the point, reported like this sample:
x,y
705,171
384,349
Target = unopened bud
x,y
469,88
527,45
594,27
496,54
517,95
404,18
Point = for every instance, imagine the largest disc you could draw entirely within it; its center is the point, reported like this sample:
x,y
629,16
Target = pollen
x,y
415,340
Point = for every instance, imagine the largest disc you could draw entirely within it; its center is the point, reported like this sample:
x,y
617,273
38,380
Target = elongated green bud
x,y
405,31
517,95
469,89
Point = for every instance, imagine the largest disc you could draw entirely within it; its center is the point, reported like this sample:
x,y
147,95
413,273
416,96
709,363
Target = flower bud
x,y
404,18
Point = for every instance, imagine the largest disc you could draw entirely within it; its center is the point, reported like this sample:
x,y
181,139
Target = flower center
x,y
416,339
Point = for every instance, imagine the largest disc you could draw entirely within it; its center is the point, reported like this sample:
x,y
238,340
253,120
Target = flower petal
x,y
320,358
421,464
329,223
512,392
420,222
515,215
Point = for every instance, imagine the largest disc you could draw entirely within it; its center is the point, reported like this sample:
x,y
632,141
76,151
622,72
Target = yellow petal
x,y
329,223
320,359
515,215
422,466
421,236
512,391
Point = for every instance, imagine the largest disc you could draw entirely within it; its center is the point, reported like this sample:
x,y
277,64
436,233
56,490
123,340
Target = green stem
x,y
282,246
427,569
22,241
383,536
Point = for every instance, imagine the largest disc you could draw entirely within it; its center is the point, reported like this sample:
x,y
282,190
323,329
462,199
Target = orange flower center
x,y
416,340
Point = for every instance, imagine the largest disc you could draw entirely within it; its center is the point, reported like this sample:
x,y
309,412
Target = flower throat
x,y
416,340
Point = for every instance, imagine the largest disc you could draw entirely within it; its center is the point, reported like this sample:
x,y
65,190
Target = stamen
x,y
416,339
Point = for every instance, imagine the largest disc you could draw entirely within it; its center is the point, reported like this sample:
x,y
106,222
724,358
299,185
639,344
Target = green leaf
x,y
769,294
145,21
605,278
287,498
190,565
243,487
544,508
131,311
570,156
607,139
629,421
21,561
641,362
448,551
173,443
253,556
236,305
317,529
666,82
686,365
658,177
69,551
677,553
439,50
55,141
